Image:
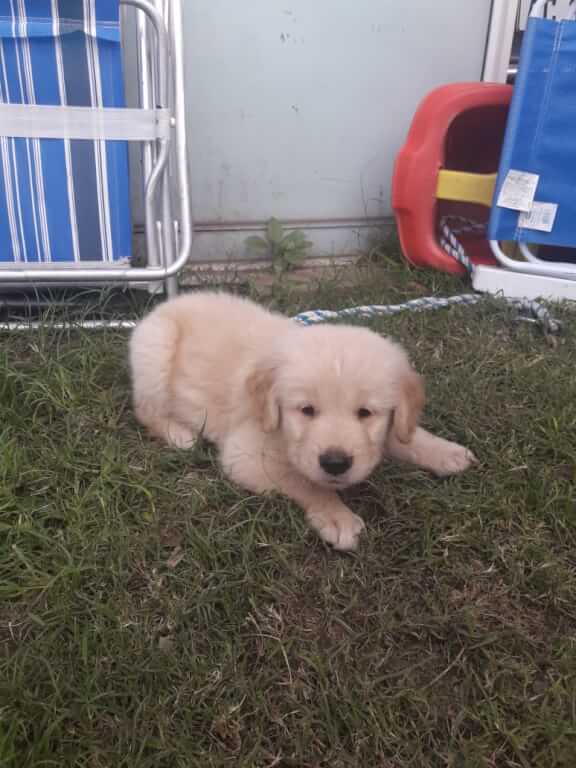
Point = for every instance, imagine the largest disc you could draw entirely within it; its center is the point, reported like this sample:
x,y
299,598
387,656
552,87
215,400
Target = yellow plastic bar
x,y
466,187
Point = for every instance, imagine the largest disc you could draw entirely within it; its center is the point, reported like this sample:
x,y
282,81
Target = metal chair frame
x,y
158,124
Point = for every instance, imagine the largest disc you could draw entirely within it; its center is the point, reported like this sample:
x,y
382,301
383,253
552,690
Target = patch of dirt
x,y
308,277
171,537
227,731
343,274
495,608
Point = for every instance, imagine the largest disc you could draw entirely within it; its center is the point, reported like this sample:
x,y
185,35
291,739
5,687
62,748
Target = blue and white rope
x,y
450,228
387,310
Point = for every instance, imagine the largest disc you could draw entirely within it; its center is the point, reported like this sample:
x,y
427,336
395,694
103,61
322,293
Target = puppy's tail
x,y
152,350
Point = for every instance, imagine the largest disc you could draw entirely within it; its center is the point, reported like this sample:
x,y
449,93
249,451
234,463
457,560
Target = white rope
x,y
450,228
387,310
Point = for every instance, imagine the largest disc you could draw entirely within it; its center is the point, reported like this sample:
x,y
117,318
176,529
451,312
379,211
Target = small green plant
x,y
286,251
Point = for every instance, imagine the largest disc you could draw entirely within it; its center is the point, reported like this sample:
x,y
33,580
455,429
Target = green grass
x,y
153,615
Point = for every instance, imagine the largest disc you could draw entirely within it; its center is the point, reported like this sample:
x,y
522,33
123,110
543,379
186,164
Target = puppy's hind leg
x,y
152,349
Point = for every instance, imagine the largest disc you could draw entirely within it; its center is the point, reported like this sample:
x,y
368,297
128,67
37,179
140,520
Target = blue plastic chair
x,y
535,200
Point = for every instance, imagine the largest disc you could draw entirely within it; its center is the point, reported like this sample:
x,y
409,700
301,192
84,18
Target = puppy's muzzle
x,y
335,462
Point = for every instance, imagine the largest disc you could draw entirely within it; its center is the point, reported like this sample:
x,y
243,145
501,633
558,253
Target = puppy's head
x,y
334,393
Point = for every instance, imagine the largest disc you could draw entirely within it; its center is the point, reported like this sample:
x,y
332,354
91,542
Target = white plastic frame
x,y
500,38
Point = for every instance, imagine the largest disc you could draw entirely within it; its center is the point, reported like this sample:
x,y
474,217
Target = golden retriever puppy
x,y
306,411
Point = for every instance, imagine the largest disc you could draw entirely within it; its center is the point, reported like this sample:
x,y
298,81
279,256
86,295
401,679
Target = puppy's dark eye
x,y
309,410
363,413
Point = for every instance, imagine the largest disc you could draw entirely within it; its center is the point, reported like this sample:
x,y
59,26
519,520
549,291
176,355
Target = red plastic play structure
x,y
453,146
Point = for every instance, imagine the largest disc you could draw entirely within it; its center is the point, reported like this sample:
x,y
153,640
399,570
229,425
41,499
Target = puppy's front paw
x,y
452,458
337,526
179,435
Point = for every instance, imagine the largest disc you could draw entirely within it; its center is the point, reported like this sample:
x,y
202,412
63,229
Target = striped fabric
x,y
62,200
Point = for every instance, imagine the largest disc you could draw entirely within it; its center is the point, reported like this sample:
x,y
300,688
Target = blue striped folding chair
x,y
534,202
65,212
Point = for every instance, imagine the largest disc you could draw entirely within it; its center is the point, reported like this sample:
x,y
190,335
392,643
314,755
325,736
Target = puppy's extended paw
x,y
337,526
451,459
178,435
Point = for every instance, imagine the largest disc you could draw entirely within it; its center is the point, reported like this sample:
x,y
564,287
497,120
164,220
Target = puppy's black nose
x,y
335,462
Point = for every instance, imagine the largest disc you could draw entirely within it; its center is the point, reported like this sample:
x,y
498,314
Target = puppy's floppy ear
x,y
410,405
260,386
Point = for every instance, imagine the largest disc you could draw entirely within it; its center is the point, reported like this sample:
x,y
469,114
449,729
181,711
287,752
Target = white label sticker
x,y
541,217
518,190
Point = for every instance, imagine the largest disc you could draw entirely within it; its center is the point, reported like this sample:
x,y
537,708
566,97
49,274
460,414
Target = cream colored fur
x,y
277,399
